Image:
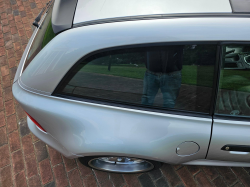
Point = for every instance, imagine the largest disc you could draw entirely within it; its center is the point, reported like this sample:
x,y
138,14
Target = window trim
x,y
68,76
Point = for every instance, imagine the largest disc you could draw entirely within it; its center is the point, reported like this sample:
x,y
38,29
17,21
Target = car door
x,y
103,94
231,126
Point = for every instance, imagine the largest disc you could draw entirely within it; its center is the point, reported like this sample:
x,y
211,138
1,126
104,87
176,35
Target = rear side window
x,y
164,77
234,88
44,35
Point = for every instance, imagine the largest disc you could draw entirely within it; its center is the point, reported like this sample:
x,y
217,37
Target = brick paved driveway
x,y
27,161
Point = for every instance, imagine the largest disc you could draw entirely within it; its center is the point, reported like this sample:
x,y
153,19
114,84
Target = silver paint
x,y
57,57
92,129
88,10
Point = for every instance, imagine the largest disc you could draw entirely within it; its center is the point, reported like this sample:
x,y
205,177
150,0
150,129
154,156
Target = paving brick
x,y
69,163
2,119
34,138
131,180
2,51
10,17
101,176
13,72
145,180
186,177
60,176
1,103
45,171
3,15
170,174
19,54
3,60
20,180
21,32
24,129
34,181
29,33
7,36
41,151
16,12
11,123
13,30
9,108
117,179
31,168
8,93
4,22
17,46
155,174
83,169
17,161
13,2
15,38
21,8
242,174
239,185
1,42
5,176
23,14
8,45
12,23
6,29
74,178
10,53
202,180
161,183
14,141
219,182
227,174
89,181
25,20
6,81
20,112
3,136
55,156
12,62
51,184
27,145
4,155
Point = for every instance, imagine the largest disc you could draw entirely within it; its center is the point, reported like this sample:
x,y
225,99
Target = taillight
x,y
37,124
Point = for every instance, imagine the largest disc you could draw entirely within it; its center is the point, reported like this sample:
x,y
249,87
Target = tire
x,y
135,166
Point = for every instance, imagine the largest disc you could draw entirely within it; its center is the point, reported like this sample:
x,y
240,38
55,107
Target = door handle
x,y
240,148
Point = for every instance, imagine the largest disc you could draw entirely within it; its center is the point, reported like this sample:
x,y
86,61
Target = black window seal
x,y
68,76
216,79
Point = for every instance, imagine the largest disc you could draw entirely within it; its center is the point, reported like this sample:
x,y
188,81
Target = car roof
x,y
75,13
89,10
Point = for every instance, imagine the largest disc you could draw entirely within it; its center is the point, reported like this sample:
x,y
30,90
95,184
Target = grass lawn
x,y
232,79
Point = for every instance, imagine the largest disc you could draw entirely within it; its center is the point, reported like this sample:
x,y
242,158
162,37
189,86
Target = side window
x,y
44,35
234,88
164,77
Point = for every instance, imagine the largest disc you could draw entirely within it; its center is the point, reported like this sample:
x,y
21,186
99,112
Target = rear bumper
x,y
48,139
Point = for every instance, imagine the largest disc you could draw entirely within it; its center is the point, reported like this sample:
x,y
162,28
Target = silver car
x,y
127,85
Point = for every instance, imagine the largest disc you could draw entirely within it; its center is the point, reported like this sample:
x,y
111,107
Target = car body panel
x,y
54,61
102,9
229,132
93,129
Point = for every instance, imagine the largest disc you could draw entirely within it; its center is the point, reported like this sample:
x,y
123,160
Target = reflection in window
x,y
234,88
44,35
165,77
